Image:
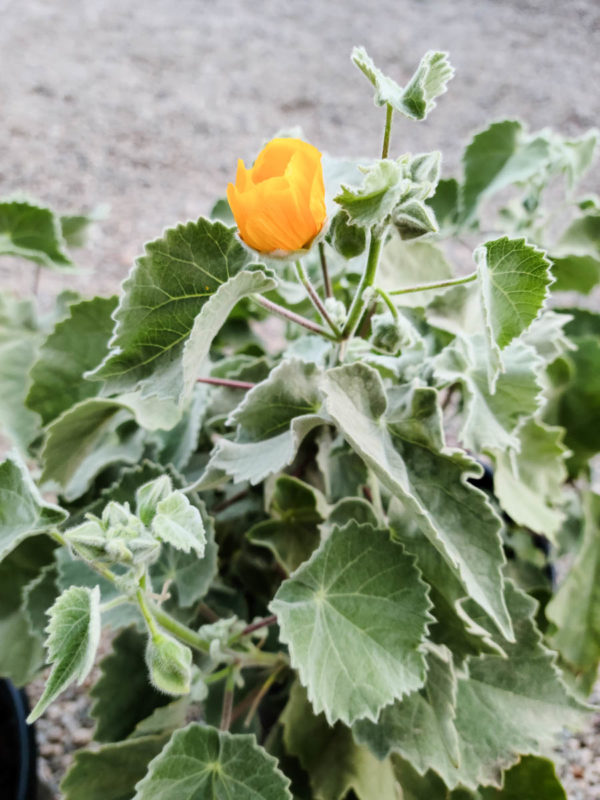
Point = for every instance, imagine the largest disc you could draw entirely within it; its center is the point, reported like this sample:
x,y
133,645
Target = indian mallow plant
x,y
321,550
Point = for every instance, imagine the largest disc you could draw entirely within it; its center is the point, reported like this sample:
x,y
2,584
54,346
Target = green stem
x,y
116,601
215,677
261,693
182,632
140,596
228,700
325,271
291,316
440,285
315,299
387,132
388,301
358,304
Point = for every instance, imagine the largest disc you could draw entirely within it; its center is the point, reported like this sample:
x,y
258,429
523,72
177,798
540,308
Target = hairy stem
x,y
387,300
226,382
228,701
325,271
368,278
439,285
291,316
385,149
315,299
255,626
180,631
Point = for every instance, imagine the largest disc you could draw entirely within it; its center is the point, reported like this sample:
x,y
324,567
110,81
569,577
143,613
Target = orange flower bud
x,y
279,204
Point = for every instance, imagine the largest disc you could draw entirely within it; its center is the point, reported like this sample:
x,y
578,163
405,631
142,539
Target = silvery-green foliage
x,y
336,532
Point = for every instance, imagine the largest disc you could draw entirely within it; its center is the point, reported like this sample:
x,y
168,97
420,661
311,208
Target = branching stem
x,y
315,299
291,316
325,271
439,285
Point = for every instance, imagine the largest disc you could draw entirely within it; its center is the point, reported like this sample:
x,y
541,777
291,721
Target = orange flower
x,y
279,204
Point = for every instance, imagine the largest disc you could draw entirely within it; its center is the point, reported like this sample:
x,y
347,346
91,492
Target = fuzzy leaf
x,y
271,422
491,420
575,608
339,614
514,278
112,770
292,533
77,343
334,762
119,703
180,524
23,512
504,706
497,157
17,354
418,97
84,440
201,762
22,651
73,635
404,449
574,273
32,232
528,484
376,198
173,303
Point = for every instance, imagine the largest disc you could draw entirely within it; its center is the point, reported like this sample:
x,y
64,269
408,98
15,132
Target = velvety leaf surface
x,y
77,344
333,760
23,511
32,232
575,608
505,706
418,97
404,449
207,764
191,269
354,617
514,278
73,635
112,771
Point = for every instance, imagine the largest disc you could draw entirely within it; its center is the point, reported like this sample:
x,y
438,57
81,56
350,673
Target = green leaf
x,y
22,651
123,696
528,484
173,304
335,763
179,524
187,574
376,198
271,421
111,771
531,778
77,344
23,512
582,237
292,533
445,203
207,764
404,449
339,614
32,232
505,705
574,273
414,219
429,713
17,354
514,278
499,156
84,440
73,635
418,97
575,608
490,421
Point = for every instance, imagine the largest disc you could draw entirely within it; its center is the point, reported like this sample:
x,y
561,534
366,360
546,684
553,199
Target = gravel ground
x,y
147,106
